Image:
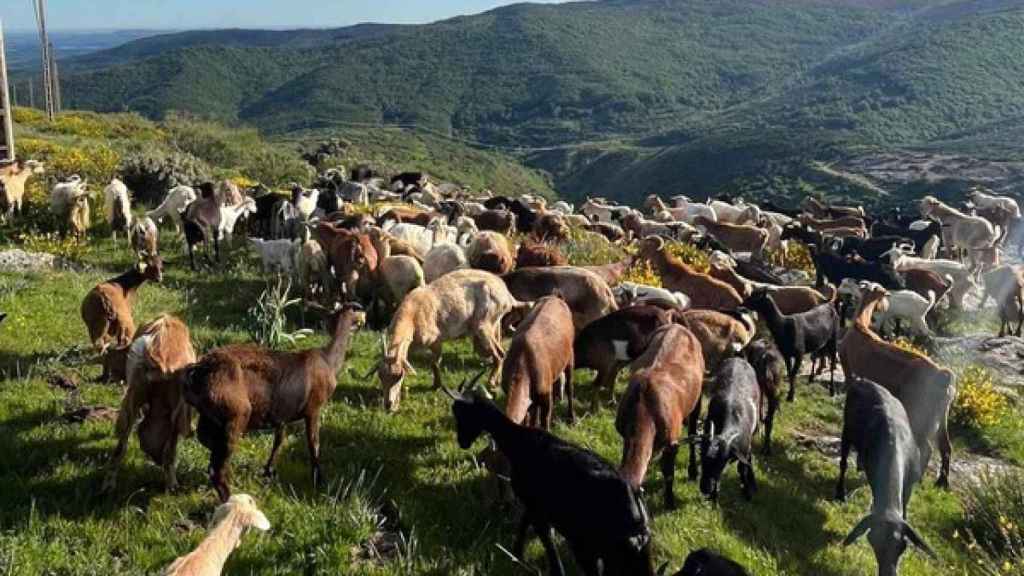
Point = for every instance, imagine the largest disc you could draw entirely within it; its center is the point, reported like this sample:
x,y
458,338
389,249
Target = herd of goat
x,y
441,264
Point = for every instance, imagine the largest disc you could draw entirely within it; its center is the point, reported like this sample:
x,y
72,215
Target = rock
x,y
1003,356
91,414
17,260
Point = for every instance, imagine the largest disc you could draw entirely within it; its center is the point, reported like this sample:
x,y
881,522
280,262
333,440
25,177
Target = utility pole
x,y
49,73
6,128
31,93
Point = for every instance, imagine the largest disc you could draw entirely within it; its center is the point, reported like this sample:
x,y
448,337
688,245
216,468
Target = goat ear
x,y
662,568
408,367
259,521
742,458
914,538
859,530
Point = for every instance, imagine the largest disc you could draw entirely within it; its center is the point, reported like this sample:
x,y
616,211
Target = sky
x,y
187,14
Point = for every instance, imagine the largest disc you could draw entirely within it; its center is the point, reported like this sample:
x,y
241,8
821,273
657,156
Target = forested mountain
x,y
648,93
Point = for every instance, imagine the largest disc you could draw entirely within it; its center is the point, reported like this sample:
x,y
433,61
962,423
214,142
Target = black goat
x,y
769,206
836,268
565,487
705,562
770,368
816,330
918,237
733,416
870,249
875,423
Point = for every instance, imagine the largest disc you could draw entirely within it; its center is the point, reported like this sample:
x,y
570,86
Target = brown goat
x,y
107,308
924,388
539,354
703,290
236,389
721,335
738,237
539,255
352,256
500,221
550,226
663,392
587,294
614,272
404,214
490,251
151,366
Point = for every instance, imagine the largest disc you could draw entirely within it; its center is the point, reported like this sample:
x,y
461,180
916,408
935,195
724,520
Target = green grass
x,y
404,470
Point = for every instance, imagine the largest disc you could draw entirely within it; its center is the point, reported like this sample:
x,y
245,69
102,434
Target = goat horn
x,y
448,392
467,385
712,433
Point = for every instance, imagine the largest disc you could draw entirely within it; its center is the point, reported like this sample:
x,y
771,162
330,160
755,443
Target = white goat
x,y
306,203
562,207
277,255
144,236
173,205
230,215
422,238
117,207
442,259
229,522
63,195
898,305
627,293
902,261
594,209
985,201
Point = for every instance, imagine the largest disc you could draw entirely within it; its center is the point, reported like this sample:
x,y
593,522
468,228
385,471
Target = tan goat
x,y
230,521
703,290
738,237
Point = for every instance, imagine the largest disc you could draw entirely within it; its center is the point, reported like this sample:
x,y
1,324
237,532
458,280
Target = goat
x,y
151,364
69,201
550,226
770,368
924,283
458,303
240,388
230,214
820,209
230,521
663,392
612,273
538,254
704,562
312,269
540,353
685,210
173,205
721,334
734,413
795,335
703,290
926,390
442,259
1006,286
836,268
117,208
588,296
985,201
558,484
144,236
789,299
901,305
490,251
609,231
926,239
878,427
277,256
642,228
12,185
500,221
738,237
628,293
901,261
965,232
107,308
600,212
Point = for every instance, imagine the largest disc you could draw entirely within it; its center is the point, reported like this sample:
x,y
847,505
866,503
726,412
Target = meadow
x,y
401,497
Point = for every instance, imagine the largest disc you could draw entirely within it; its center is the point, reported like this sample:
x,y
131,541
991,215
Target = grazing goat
x,y
145,236
770,368
703,290
789,299
588,296
1006,286
12,186
117,207
663,392
611,342
540,353
640,228
628,293
983,201
836,268
69,201
107,308
442,259
178,198
610,232
704,562
500,221
721,335
877,426
537,254
926,239
490,251
738,237
151,365
459,303
236,389
900,305
819,209
559,484
734,413
230,521
796,335
612,273
277,256
926,390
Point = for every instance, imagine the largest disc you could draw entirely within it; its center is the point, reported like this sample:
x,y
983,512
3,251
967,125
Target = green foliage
x,y
979,404
993,522
151,171
267,321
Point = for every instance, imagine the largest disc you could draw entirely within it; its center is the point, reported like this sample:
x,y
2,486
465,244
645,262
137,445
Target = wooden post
x,y
6,129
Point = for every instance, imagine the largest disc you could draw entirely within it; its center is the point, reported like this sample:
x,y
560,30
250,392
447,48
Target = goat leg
x,y
844,455
126,418
570,393
520,544
769,422
169,463
792,368
748,480
668,472
313,443
554,562
268,470
692,426
946,453
435,364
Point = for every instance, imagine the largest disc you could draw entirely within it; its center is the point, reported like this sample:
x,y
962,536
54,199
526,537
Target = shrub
x,y
993,522
584,248
798,257
96,162
690,255
642,273
978,403
67,247
906,344
266,320
151,171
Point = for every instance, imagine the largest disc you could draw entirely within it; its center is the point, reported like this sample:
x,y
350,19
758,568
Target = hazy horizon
x,y
155,15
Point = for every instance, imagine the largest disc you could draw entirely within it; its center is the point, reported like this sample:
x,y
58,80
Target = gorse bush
x,y
67,247
906,344
993,522
151,171
978,403
642,273
97,163
690,255
585,248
